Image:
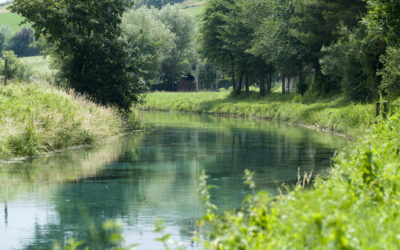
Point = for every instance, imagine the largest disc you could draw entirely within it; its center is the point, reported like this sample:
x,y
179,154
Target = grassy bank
x,y
38,118
330,113
356,208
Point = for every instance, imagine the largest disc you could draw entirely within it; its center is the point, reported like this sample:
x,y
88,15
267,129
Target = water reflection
x,y
152,175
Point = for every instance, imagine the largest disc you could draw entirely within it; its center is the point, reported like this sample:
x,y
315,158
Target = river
x,y
151,175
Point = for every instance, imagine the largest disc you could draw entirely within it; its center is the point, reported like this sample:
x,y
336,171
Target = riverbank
x,y
38,118
330,114
355,208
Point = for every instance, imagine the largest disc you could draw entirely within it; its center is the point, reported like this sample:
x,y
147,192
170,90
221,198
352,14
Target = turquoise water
x,y
152,175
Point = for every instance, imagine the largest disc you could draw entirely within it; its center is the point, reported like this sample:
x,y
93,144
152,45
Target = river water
x,y
151,175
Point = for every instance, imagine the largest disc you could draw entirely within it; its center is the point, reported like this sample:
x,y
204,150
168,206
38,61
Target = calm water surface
x,y
151,175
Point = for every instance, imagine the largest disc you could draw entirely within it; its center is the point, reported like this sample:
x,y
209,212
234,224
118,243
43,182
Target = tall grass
x,y
329,113
38,118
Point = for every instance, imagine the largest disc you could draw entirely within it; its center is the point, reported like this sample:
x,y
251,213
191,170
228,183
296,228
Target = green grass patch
x,y
331,113
12,20
38,64
37,118
193,7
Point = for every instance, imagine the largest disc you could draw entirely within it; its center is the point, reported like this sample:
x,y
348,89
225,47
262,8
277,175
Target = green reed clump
x,y
357,207
37,118
327,113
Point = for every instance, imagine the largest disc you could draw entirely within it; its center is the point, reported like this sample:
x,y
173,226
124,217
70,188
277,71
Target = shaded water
x,y
151,175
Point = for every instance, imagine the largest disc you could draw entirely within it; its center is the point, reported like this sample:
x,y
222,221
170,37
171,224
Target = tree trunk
x,y
239,89
269,83
283,84
289,84
262,86
318,78
233,78
247,85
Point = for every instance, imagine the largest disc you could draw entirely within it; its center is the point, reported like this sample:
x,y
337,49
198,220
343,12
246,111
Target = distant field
x,y
38,64
11,19
194,7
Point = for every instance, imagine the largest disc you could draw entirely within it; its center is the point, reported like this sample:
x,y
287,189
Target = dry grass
x,y
38,118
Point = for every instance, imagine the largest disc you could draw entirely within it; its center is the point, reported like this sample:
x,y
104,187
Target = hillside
x,y
194,7
11,19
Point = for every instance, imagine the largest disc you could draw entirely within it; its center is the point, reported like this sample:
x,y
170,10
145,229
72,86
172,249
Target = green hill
x,y
194,7
11,19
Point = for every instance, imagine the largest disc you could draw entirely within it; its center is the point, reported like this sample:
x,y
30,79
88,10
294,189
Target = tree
x,y
314,23
212,30
273,41
22,43
149,41
85,38
383,19
181,58
5,35
353,62
159,4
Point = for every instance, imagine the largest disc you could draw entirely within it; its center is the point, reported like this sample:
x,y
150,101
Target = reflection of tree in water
x,y
157,176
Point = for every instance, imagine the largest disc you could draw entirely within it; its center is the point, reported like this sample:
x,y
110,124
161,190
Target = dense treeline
x,y
326,46
156,3
113,51
21,43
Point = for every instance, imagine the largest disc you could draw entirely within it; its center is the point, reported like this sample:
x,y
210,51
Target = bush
x,y
16,70
22,43
391,72
353,61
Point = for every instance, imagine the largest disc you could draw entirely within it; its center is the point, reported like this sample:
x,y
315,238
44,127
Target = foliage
x,y
353,62
85,39
38,118
383,19
5,35
355,208
16,69
391,72
156,3
161,42
207,75
22,43
150,42
180,60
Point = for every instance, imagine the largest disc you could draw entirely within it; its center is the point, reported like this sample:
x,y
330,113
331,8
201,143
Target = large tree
x,y
315,24
85,36
181,58
149,40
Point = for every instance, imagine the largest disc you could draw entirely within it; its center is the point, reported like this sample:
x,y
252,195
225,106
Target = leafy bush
x,y
22,43
391,72
16,70
353,62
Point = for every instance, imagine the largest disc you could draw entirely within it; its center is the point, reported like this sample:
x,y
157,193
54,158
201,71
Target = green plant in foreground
x,y
357,207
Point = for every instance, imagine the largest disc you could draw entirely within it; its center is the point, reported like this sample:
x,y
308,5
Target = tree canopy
x,y
85,37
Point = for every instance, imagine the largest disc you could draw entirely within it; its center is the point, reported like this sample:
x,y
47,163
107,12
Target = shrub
x,y
16,70
391,72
